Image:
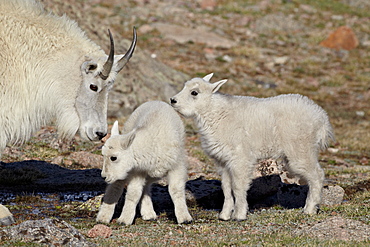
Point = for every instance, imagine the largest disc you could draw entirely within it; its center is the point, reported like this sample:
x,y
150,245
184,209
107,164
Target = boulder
x,y
50,232
341,39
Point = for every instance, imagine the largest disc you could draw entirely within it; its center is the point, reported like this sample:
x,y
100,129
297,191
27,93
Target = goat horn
x,y
107,67
124,60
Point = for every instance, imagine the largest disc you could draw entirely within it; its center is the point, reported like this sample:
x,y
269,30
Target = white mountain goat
x,y
237,131
51,71
151,147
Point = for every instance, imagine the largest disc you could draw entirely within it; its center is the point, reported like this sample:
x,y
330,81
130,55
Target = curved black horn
x,y
124,60
107,67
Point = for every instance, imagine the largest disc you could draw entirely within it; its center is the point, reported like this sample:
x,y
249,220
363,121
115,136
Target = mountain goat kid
x,y
151,147
237,131
50,71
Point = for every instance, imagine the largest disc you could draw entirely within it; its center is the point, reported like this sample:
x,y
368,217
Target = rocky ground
x,y
264,48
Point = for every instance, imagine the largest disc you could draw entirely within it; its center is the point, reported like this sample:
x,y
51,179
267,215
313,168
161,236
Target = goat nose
x,y
100,134
173,101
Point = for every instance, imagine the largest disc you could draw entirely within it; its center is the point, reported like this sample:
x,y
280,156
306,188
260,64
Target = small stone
x,y
342,38
208,4
333,150
227,58
281,60
100,230
366,43
145,29
6,216
337,17
332,195
308,8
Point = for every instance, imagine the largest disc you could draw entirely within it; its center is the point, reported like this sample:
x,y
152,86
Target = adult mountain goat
x,y
151,147
50,71
237,131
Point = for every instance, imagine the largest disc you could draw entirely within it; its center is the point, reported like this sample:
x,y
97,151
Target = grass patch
x,y
335,7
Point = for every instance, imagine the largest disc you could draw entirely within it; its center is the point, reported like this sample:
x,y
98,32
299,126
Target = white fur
x,y
47,65
151,147
237,131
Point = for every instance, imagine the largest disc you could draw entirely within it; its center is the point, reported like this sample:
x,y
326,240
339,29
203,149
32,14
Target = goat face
x,y
92,96
92,102
118,156
195,96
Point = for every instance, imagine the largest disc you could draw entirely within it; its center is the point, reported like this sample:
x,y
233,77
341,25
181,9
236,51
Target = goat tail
x,y
325,135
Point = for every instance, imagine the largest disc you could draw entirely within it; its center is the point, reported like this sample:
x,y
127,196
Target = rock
x,y
100,230
337,228
86,159
208,4
280,60
198,35
308,8
333,150
146,28
332,195
277,22
342,38
51,232
6,217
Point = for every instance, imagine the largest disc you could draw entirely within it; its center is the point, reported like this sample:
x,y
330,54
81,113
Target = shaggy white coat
x,y
237,131
151,147
47,68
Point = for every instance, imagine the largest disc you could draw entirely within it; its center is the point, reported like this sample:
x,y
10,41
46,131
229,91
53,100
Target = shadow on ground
x,y
42,177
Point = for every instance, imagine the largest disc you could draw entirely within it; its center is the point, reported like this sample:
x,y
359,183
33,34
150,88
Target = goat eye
x,y
92,67
94,87
113,158
194,93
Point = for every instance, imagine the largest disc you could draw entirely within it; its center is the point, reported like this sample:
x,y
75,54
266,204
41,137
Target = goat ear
x,y
89,67
115,129
208,77
129,138
217,85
